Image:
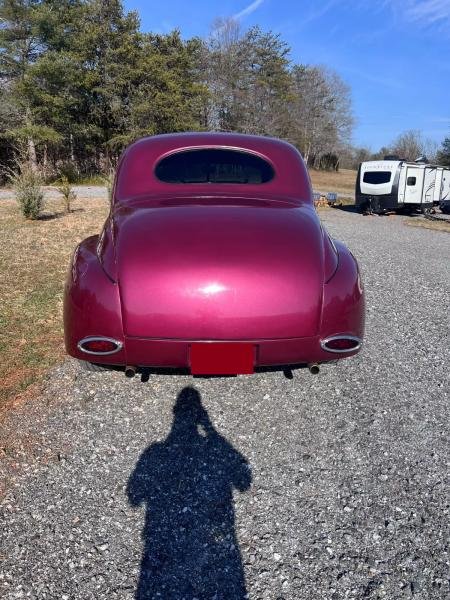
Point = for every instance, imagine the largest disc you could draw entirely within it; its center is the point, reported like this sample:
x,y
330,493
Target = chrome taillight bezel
x,y
99,338
353,338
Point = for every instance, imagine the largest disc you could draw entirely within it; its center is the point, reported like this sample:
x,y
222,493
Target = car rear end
x,y
212,260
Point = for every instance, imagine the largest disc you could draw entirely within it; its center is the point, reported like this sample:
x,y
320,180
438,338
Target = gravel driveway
x,y
318,487
82,191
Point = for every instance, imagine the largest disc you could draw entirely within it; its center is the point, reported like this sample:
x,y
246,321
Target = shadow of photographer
x,y
186,482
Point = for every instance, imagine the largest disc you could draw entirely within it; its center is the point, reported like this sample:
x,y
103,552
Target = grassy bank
x,y
427,224
34,256
342,181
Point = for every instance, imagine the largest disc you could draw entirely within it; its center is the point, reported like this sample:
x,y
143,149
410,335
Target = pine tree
x,y
443,155
248,78
168,98
19,42
34,67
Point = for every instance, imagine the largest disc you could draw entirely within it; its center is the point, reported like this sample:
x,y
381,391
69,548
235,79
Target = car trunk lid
x,y
199,271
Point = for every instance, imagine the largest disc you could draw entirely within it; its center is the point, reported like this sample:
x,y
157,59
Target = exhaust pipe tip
x,y
314,368
130,371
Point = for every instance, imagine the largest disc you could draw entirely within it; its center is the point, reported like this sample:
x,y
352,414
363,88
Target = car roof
x,y
136,171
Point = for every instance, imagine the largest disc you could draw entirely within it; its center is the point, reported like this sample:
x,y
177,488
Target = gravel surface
x,y
82,191
318,487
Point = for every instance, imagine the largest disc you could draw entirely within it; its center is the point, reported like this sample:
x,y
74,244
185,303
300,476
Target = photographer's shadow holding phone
x,y
186,482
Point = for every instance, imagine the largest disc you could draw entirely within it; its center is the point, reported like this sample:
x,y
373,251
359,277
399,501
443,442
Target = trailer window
x,y
214,165
411,181
377,177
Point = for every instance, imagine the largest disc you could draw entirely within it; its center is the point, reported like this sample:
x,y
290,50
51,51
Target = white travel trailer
x,y
385,185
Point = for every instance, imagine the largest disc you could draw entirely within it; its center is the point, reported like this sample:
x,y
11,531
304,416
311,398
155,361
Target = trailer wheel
x,y
365,208
404,210
427,209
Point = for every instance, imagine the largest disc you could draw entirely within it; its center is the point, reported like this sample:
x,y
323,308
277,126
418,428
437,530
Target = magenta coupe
x,y
212,259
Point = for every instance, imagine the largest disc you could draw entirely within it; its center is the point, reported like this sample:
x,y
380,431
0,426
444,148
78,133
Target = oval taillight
x,y
341,343
99,345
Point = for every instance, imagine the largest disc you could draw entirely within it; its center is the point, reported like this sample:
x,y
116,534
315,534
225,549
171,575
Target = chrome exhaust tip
x,y
130,371
314,368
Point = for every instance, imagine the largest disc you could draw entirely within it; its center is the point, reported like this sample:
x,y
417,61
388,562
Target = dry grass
x,y
34,257
427,224
342,181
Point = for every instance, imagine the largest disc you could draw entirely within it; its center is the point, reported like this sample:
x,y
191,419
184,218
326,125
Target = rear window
x,y
377,177
214,166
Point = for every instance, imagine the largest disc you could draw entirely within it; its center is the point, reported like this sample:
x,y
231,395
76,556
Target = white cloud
x,y
425,12
319,12
248,10
387,82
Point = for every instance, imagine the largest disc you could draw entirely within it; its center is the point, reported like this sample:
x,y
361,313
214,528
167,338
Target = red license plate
x,y
217,358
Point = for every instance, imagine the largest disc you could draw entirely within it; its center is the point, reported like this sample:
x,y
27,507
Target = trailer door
x,y
414,185
402,184
429,184
445,185
438,184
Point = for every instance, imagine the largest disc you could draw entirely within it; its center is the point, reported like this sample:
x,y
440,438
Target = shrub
x,y
68,170
29,194
65,189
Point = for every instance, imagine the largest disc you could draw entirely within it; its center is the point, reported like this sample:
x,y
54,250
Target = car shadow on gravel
x,y
186,482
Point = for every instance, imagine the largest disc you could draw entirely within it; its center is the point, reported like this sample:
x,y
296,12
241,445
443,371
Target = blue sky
x,y
394,54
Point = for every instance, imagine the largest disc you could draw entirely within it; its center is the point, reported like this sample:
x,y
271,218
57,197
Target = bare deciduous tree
x,y
248,78
320,112
411,144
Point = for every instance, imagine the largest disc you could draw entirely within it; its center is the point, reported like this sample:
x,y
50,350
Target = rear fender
x,y
343,299
106,249
91,304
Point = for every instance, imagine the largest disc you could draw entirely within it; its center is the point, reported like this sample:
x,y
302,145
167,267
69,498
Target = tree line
x,y
79,81
409,145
